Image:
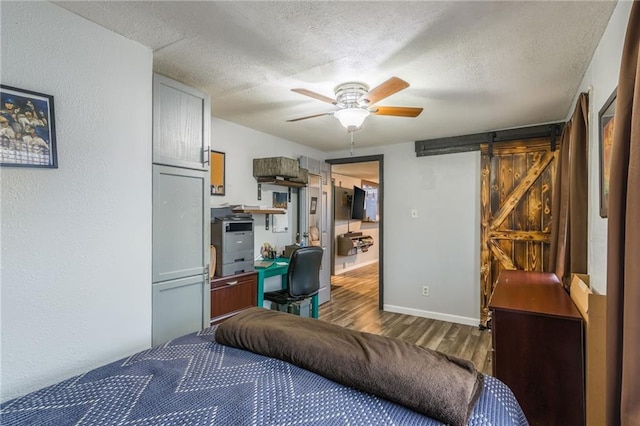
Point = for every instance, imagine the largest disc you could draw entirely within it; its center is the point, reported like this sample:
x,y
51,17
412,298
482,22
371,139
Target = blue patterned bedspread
x,y
195,381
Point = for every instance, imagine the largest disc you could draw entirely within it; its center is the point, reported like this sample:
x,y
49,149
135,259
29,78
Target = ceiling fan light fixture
x,y
351,118
355,101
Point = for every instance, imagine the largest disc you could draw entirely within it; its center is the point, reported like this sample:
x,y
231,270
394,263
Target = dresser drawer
x,y
232,294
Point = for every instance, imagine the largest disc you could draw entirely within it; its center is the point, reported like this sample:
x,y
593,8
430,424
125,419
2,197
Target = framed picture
x,y
217,164
606,121
371,203
27,129
280,200
314,205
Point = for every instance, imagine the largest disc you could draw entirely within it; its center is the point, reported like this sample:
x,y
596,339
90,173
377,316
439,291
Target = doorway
x,y
365,173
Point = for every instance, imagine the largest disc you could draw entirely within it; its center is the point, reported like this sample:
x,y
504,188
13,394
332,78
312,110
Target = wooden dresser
x,y
538,347
232,294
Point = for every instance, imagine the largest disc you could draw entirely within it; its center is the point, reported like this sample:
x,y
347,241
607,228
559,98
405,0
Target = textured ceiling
x,y
472,66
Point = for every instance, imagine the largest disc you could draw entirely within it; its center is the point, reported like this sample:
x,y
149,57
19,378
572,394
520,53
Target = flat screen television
x,y
357,203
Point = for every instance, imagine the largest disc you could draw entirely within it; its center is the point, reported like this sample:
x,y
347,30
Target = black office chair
x,y
303,281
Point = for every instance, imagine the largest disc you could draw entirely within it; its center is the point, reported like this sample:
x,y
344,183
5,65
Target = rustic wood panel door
x,y
515,195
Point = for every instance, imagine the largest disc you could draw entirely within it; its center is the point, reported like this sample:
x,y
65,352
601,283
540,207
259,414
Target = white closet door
x,y
181,121
180,223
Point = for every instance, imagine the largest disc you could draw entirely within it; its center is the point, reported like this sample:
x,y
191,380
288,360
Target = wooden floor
x,y
354,304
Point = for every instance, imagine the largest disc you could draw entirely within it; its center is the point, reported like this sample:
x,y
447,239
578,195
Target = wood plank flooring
x,y
354,304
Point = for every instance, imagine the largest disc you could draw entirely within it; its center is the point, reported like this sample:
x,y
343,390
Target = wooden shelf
x,y
265,212
280,182
353,244
260,211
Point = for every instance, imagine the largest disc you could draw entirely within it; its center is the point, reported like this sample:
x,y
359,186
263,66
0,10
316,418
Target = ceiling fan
x,y
355,101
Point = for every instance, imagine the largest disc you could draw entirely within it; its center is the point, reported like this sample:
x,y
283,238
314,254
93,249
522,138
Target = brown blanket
x,y
426,381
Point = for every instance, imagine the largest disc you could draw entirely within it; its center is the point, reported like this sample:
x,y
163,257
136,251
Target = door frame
x,y
326,235
380,159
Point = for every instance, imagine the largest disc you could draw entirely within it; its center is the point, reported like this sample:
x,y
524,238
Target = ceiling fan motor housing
x,y
347,94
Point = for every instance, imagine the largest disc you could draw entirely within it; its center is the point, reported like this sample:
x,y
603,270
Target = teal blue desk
x,y
274,270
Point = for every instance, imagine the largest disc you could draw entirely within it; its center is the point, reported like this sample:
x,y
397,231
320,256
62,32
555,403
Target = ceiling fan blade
x,y
315,95
309,116
397,111
388,88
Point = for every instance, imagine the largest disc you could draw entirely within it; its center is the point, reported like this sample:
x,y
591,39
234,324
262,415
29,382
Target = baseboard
x,y
356,266
432,315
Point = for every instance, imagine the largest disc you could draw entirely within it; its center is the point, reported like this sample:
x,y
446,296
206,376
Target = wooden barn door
x,y
516,194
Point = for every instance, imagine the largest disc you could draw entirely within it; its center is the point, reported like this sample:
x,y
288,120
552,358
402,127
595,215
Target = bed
x,y
194,380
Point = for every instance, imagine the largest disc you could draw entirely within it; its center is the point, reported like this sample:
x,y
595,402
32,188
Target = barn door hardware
x,y
553,134
492,136
473,142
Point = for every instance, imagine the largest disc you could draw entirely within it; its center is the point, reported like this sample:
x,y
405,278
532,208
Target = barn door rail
x,y
473,142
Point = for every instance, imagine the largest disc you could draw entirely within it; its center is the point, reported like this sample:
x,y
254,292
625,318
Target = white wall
x,y
441,247
602,77
343,264
76,241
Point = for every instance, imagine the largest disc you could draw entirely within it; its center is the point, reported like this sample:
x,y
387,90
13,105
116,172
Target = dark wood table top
x,y
535,292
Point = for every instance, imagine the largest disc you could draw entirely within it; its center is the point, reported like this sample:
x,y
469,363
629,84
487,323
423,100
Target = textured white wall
x,y
441,248
76,241
602,77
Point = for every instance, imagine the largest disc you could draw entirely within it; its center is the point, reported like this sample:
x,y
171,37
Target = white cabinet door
x,y
180,307
180,223
181,124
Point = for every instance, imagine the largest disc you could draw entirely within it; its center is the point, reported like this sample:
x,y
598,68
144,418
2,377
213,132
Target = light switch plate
x,y
414,213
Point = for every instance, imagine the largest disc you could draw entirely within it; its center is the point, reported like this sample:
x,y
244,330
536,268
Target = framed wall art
x,y
27,129
314,205
371,202
606,122
217,166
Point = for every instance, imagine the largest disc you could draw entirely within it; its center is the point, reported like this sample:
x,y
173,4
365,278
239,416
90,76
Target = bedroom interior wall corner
x,y
76,240
602,77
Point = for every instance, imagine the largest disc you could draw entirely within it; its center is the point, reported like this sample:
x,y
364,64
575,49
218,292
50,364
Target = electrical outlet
x,y
425,291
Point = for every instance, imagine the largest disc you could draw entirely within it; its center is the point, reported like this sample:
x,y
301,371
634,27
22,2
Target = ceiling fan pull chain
x,y
351,132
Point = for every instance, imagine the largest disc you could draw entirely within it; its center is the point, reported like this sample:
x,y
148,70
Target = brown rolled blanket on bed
x,y
426,381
